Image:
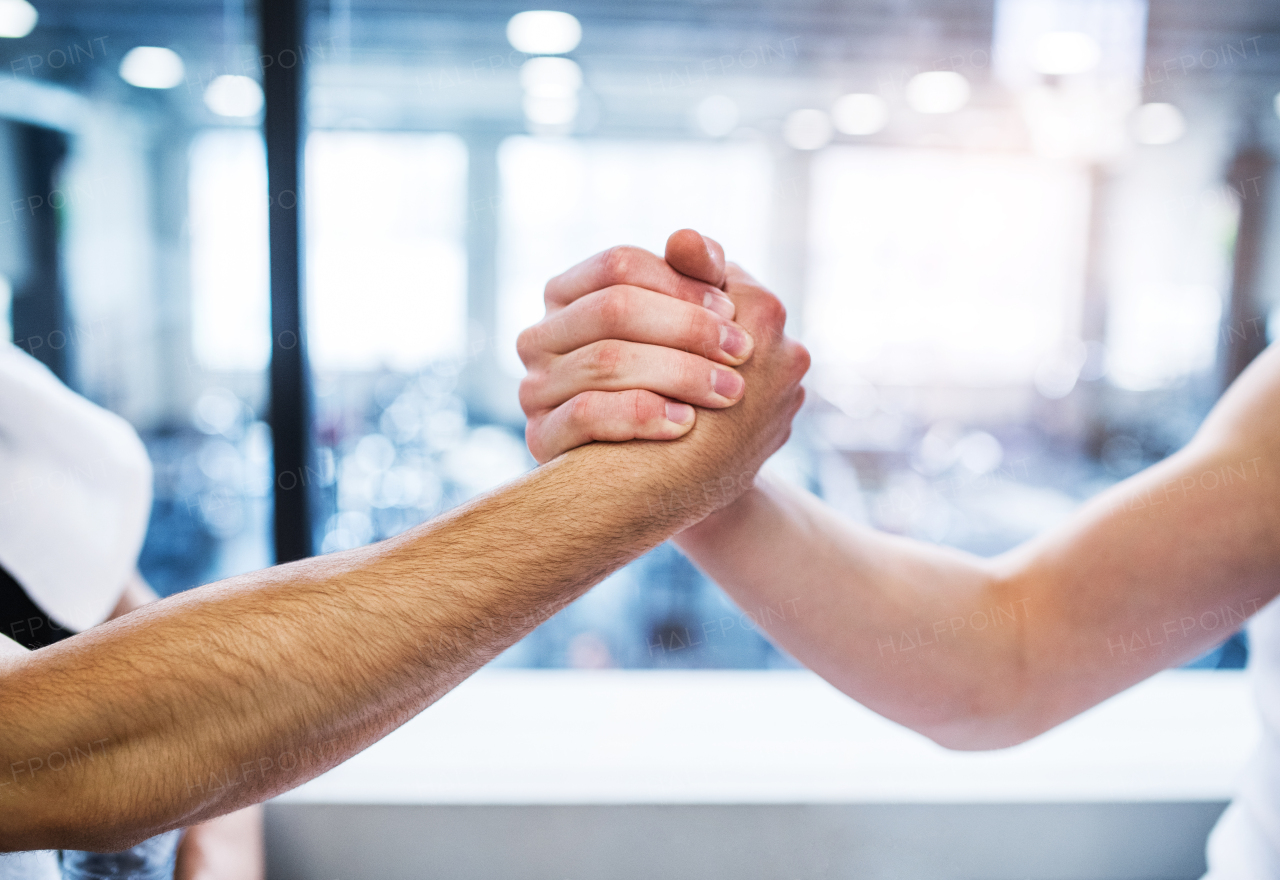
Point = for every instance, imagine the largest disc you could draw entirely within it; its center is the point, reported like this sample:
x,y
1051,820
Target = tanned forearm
x,y
226,695
226,846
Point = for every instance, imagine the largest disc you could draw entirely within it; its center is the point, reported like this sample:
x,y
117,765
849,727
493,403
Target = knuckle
x,y
580,409
642,406
704,332
604,359
533,438
801,360
530,386
772,311
613,307
636,407
527,344
616,262
691,375
690,290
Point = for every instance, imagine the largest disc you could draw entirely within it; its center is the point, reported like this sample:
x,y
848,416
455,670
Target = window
x,y
387,319
230,304
386,261
941,268
1165,308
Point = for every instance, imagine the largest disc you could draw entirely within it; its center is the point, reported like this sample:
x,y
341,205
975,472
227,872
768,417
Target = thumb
x,y
693,254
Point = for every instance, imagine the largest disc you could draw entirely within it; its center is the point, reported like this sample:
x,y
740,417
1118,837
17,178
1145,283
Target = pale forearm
x,y
913,631
985,653
185,707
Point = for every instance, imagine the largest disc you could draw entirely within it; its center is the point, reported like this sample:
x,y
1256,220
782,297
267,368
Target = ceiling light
x,y
1066,52
550,77
233,96
543,32
937,91
150,67
17,18
807,129
550,111
1156,124
1032,38
860,114
717,115
1277,103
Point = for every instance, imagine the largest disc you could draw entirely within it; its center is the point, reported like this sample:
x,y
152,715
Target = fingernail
x,y
727,383
733,341
720,304
680,413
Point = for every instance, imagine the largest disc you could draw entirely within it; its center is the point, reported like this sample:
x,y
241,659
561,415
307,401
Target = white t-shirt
x,y
1245,845
75,494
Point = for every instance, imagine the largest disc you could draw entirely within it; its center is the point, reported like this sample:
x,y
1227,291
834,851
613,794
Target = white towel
x,y
75,494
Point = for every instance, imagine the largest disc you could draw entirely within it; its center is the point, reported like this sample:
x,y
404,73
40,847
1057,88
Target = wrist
x,y
720,524
671,485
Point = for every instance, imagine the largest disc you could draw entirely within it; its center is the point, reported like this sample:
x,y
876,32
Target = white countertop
x,y
566,737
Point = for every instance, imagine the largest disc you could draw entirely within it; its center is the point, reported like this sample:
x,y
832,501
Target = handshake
x,y
632,343
634,348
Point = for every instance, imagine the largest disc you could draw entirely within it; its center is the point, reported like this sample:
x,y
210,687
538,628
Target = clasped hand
x,y
631,343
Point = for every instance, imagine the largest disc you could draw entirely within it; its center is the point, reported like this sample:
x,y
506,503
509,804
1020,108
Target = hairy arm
x,y
224,847
982,653
223,696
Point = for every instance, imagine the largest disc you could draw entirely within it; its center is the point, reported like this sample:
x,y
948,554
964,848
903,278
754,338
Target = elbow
x,y
55,828
990,719
976,720
1006,700
106,839
98,840
982,734
986,718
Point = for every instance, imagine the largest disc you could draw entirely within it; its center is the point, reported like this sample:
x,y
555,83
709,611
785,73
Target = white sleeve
x,y
75,494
